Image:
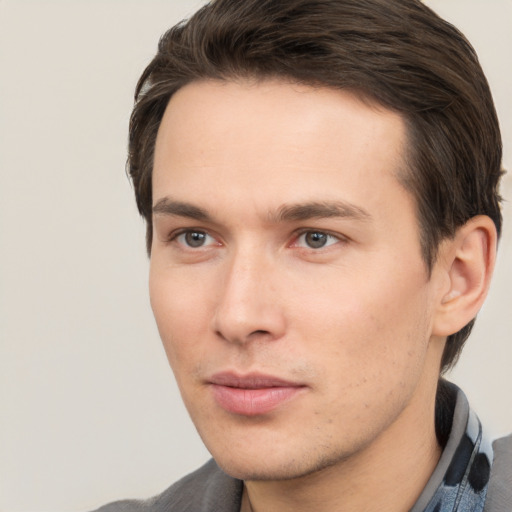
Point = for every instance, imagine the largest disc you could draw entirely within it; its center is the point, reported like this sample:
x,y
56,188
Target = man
x,y
320,182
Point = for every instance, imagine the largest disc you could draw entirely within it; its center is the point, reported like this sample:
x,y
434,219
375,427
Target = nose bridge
x,y
248,305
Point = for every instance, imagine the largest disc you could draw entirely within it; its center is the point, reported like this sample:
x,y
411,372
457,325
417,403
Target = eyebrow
x,y
166,206
285,213
320,210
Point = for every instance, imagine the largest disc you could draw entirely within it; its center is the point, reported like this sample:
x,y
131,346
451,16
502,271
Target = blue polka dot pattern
x,y
465,482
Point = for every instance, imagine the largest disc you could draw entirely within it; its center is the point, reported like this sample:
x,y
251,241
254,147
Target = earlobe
x,y
468,261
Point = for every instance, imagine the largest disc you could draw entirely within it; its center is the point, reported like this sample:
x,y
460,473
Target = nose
x,y
249,306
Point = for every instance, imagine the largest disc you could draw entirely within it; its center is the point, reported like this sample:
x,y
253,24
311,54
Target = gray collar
x,y
460,481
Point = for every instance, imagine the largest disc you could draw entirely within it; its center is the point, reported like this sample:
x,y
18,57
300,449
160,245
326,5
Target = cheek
x,y
372,328
180,310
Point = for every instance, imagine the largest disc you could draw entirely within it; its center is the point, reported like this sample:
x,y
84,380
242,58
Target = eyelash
x,y
334,238
329,237
173,237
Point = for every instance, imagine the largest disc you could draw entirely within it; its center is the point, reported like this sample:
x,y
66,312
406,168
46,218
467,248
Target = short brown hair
x,y
397,53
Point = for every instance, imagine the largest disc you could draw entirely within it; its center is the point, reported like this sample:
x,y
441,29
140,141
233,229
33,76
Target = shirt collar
x,y
459,482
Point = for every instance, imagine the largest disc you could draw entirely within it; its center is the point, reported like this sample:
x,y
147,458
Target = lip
x,y
252,394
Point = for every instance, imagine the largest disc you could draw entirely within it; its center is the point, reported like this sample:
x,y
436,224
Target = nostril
x,y
259,332
242,339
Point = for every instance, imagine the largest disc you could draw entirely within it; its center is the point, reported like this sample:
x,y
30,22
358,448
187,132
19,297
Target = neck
x,y
386,476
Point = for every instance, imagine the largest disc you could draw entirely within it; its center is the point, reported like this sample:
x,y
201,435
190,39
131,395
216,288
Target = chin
x,y
274,467
256,471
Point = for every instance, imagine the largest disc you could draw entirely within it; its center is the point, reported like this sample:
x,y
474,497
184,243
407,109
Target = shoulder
x,y
499,494
208,489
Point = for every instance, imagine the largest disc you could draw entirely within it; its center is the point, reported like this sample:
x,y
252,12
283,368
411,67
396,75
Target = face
x,y
286,274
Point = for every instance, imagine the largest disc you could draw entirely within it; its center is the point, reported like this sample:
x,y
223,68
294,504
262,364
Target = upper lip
x,y
250,381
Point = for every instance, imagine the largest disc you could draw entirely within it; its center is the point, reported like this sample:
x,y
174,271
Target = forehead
x,y
282,108
284,140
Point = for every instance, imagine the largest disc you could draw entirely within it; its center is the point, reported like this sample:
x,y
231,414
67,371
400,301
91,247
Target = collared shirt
x,y
461,478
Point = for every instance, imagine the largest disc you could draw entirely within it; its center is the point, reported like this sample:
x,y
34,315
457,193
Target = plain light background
x,y
89,409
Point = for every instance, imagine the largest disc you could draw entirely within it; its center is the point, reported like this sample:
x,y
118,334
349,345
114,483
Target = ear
x,y
466,263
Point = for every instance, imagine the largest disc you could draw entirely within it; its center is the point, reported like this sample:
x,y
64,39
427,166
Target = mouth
x,y
252,394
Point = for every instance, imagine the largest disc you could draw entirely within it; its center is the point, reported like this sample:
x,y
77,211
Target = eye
x,y
315,239
194,239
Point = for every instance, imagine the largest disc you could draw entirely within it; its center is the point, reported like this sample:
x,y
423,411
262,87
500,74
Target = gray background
x,y
90,412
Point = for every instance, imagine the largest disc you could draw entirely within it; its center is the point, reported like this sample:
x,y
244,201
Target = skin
x,y
354,322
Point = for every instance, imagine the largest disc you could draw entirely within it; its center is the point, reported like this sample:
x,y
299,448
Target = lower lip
x,y
253,402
